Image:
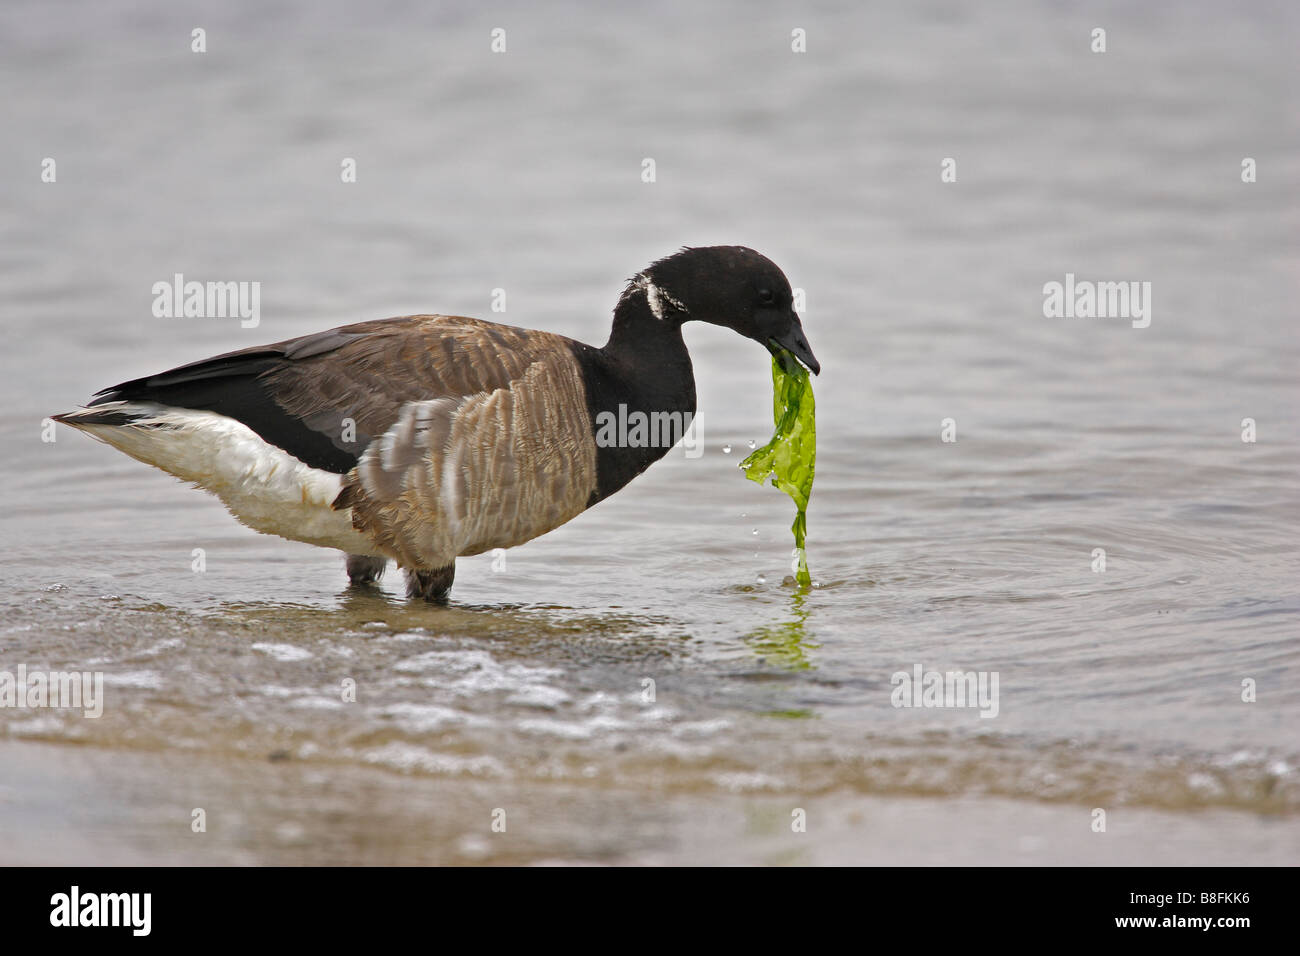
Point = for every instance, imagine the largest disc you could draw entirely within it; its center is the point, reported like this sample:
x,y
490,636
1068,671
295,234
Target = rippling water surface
x,y
1120,689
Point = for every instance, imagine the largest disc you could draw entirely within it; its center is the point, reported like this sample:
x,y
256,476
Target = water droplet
x,y
760,580
755,532
726,449
751,443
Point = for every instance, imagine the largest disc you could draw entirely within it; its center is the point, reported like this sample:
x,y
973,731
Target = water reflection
x,y
373,610
786,644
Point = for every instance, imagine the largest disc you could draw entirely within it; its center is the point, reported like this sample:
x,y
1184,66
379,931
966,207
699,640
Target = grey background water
x,y
1119,690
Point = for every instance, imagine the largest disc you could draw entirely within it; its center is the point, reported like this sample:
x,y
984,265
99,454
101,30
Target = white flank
x,y
264,486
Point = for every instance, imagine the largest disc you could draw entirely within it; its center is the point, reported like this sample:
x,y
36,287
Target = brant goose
x,y
432,436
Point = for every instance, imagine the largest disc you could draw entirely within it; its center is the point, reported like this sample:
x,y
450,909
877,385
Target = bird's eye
x,y
765,296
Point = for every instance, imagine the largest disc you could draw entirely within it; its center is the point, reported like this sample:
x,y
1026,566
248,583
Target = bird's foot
x,y
432,585
366,569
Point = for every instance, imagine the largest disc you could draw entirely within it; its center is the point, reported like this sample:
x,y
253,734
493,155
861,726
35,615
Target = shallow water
x,y
1120,689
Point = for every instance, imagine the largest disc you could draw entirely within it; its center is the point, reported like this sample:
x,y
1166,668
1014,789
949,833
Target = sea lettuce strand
x,y
790,458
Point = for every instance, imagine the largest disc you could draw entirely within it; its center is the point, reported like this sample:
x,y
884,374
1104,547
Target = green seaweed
x,y
786,644
790,458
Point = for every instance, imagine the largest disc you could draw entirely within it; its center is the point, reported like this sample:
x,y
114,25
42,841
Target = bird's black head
x,y
731,286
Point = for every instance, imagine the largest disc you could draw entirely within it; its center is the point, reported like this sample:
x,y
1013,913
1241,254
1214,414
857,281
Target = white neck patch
x,y
656,297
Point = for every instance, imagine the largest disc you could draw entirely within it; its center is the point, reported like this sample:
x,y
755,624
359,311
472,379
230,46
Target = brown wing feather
x,y
459,476
475,435
379,366
324,397
453,435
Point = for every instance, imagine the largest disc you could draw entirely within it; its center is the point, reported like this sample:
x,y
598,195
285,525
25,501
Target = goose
x,y
429,437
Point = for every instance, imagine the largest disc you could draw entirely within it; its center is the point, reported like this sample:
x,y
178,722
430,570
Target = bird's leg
x,y
432,585
365,569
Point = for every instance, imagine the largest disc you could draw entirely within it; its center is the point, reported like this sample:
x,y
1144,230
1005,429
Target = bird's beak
x,y
794,342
